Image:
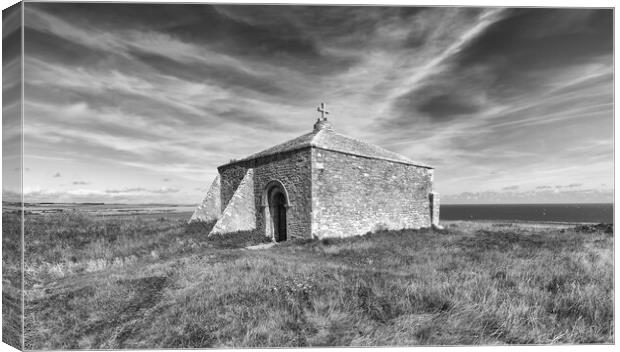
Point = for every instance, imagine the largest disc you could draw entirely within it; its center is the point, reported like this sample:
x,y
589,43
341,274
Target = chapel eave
x,y
265,156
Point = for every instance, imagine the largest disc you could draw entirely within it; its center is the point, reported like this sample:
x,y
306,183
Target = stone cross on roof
x,y
323,110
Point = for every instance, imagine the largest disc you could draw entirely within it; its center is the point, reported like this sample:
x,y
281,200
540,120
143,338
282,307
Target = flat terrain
x,y
152,281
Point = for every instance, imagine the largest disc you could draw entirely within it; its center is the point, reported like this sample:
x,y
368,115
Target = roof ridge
x,y
313,141
397,156
328,139
266,151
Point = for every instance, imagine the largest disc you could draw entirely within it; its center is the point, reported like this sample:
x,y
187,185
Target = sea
x,y
571,213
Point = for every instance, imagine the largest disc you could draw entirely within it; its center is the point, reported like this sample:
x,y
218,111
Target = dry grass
x,y
155,282
11,279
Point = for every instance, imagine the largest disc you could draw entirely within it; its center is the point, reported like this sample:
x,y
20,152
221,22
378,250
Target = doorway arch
x,y
275,204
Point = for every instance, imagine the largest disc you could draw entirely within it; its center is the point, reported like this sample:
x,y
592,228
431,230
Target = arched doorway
x,y
277,209
275,203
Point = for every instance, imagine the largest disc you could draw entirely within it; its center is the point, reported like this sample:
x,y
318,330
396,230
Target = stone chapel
x,y
321,184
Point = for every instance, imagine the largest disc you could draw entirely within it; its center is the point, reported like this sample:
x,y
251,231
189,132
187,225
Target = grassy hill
x,y
151,281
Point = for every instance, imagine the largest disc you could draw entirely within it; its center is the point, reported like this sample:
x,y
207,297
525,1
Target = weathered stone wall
x,y
292,169
210,208
230,178
434,199
352,195
333,194
240,213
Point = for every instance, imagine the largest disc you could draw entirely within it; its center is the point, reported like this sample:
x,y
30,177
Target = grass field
x,y
153,281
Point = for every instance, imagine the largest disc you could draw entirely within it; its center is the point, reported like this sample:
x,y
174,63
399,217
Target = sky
x,y
139,103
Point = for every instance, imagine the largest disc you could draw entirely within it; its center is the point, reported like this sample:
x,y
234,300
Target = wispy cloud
x,y
498,99
162,190
533,196
83,195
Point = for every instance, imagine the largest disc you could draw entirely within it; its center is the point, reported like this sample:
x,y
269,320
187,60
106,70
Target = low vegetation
x,y
11,279
153,281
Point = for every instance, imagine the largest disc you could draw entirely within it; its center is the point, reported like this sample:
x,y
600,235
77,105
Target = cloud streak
x,y
533,196
498,99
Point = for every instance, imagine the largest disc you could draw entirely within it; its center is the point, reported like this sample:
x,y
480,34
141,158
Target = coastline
x,y
520,223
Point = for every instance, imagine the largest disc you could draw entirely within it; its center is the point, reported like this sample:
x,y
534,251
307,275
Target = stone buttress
x,y
211,207
240,212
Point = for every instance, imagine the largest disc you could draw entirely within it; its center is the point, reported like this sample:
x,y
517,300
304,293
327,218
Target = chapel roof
x,y
324,137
